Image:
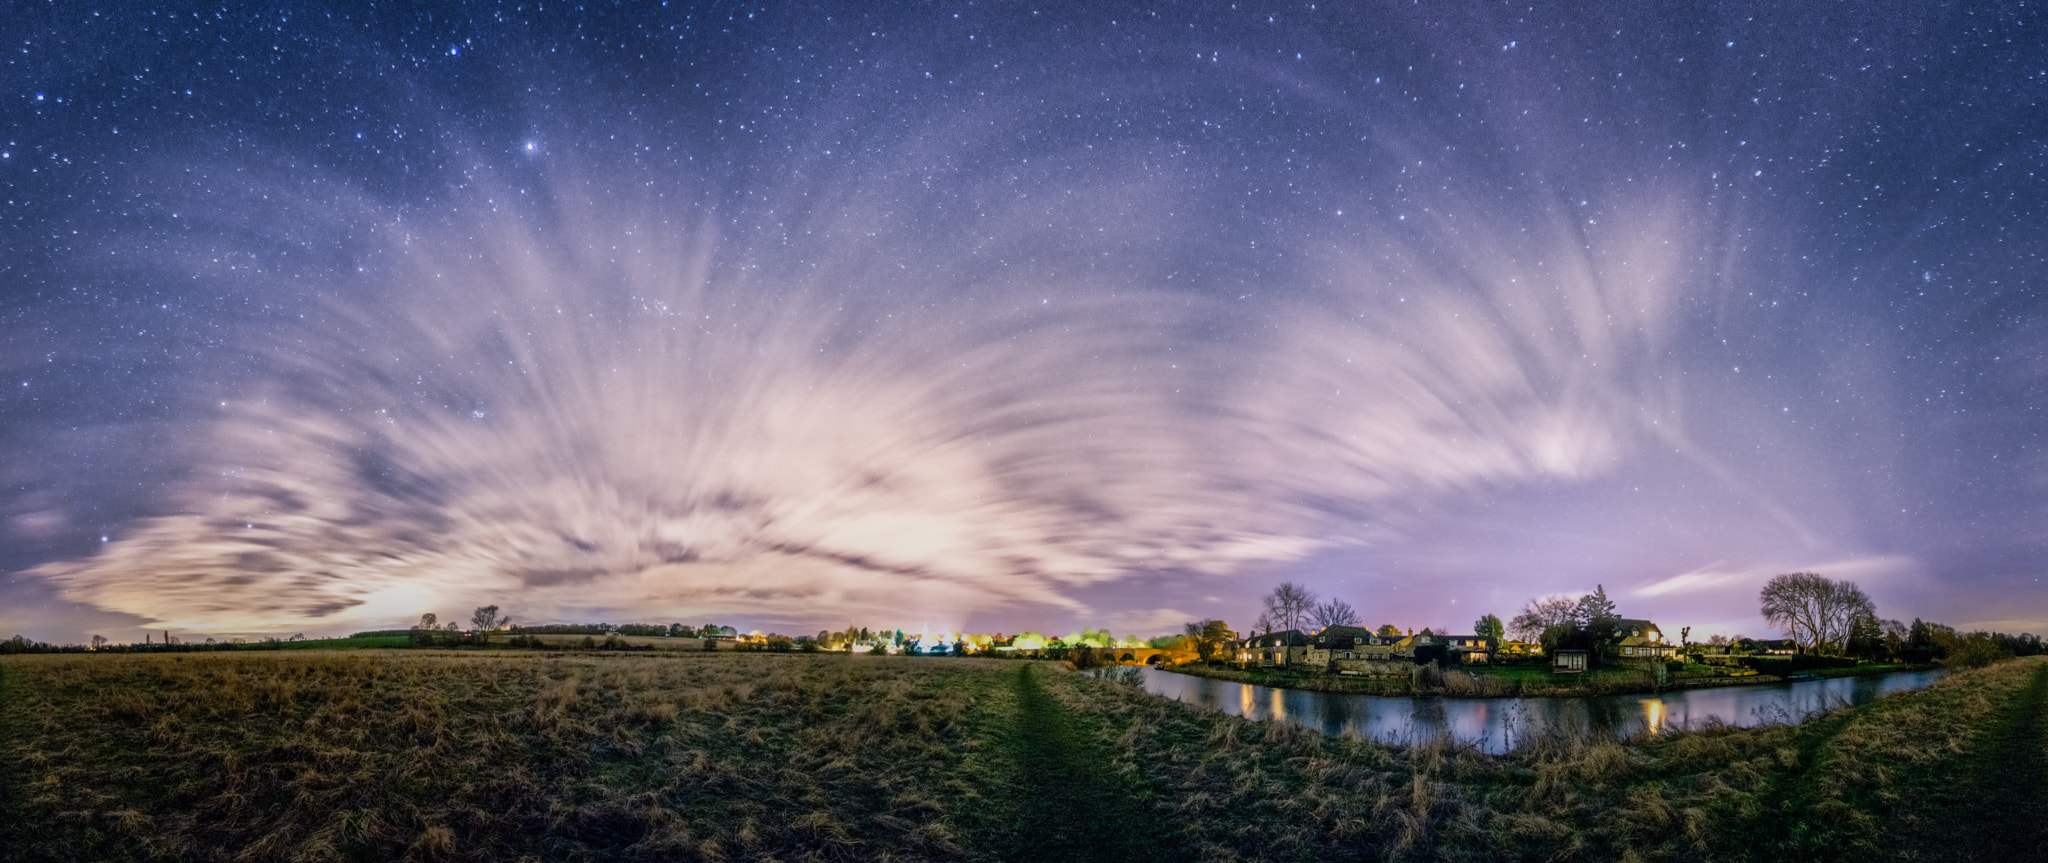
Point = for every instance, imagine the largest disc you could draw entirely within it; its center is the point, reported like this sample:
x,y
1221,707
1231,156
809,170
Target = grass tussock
x,y
450,757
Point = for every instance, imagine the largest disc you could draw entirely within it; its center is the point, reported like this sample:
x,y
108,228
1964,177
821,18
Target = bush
x,y
1976,651
1783,665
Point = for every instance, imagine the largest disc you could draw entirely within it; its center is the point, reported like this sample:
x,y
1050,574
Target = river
x,y
1499,724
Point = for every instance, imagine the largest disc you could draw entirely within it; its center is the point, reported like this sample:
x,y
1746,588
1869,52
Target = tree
x,y
423,633
99,642
1594,607
1206,636
1815,612
1264,624
1489,626
1866,637
1717,640
1336,612
1289,605
1388,630
1542,613
483,620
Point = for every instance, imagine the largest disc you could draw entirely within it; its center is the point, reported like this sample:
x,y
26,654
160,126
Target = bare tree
x,y
1815,612
429,621
484,620
1264,624
1336,612
1290,605
99,642
1541,614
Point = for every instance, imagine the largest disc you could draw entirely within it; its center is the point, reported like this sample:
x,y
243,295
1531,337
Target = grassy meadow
x,y
478,755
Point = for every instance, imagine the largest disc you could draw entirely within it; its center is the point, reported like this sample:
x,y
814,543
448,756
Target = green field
x,y
479,755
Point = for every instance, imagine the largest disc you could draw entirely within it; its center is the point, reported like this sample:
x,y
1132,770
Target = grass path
x,y
1063,804
2004,775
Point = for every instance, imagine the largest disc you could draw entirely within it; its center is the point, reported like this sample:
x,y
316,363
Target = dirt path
x,y
1064,803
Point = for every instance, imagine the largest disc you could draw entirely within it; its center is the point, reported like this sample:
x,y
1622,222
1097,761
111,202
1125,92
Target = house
x,y
1567,661
1520,648
1405,646
1466,649
1640,639
1341,648
1778,647
1277,649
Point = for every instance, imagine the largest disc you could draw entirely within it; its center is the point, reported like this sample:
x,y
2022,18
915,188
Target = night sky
x,y
970,315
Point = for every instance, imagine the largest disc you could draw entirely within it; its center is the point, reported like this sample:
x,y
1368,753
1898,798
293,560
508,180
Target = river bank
x,y
1518,681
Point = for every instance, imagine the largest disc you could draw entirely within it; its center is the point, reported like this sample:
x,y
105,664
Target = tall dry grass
x,y
421,756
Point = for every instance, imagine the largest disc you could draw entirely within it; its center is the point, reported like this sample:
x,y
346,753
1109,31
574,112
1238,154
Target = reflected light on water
x,y
1498,724
1653,715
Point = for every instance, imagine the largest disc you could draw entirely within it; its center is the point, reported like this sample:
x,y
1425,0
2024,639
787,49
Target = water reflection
x,y
1498,724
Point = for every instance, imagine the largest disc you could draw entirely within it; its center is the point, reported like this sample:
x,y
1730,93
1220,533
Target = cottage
x,y
1520,648
1276,649
1778,647
1466,649
1640,639
1567,661
1350,650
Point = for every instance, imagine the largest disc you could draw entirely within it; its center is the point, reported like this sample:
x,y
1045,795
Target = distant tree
x,y
1489,626
1206,636
959,648
1866,637
297,636
1264,624
1976,650
1289,605
878,649
1684,636
1541,614
1335,612
1594,606
1814,611
1717,640
1388,630
99,642
483,620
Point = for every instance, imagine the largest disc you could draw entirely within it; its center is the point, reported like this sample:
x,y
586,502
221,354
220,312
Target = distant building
x,y
1277,649
1641,639
1567,661
1520,648
1334,647
1466,649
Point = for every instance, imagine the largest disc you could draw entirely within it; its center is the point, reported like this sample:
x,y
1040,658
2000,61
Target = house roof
x,y
1341,634
1286,638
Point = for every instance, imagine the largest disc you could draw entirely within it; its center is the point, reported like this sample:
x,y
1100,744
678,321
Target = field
x,y
475,755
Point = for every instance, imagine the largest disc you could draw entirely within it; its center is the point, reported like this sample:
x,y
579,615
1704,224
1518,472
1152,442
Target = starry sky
x,y
982,316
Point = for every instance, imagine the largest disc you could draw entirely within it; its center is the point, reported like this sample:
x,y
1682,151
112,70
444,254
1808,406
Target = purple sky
x,y
1000,319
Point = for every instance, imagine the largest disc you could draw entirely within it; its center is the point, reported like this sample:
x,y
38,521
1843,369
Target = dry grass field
x,y
423,755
